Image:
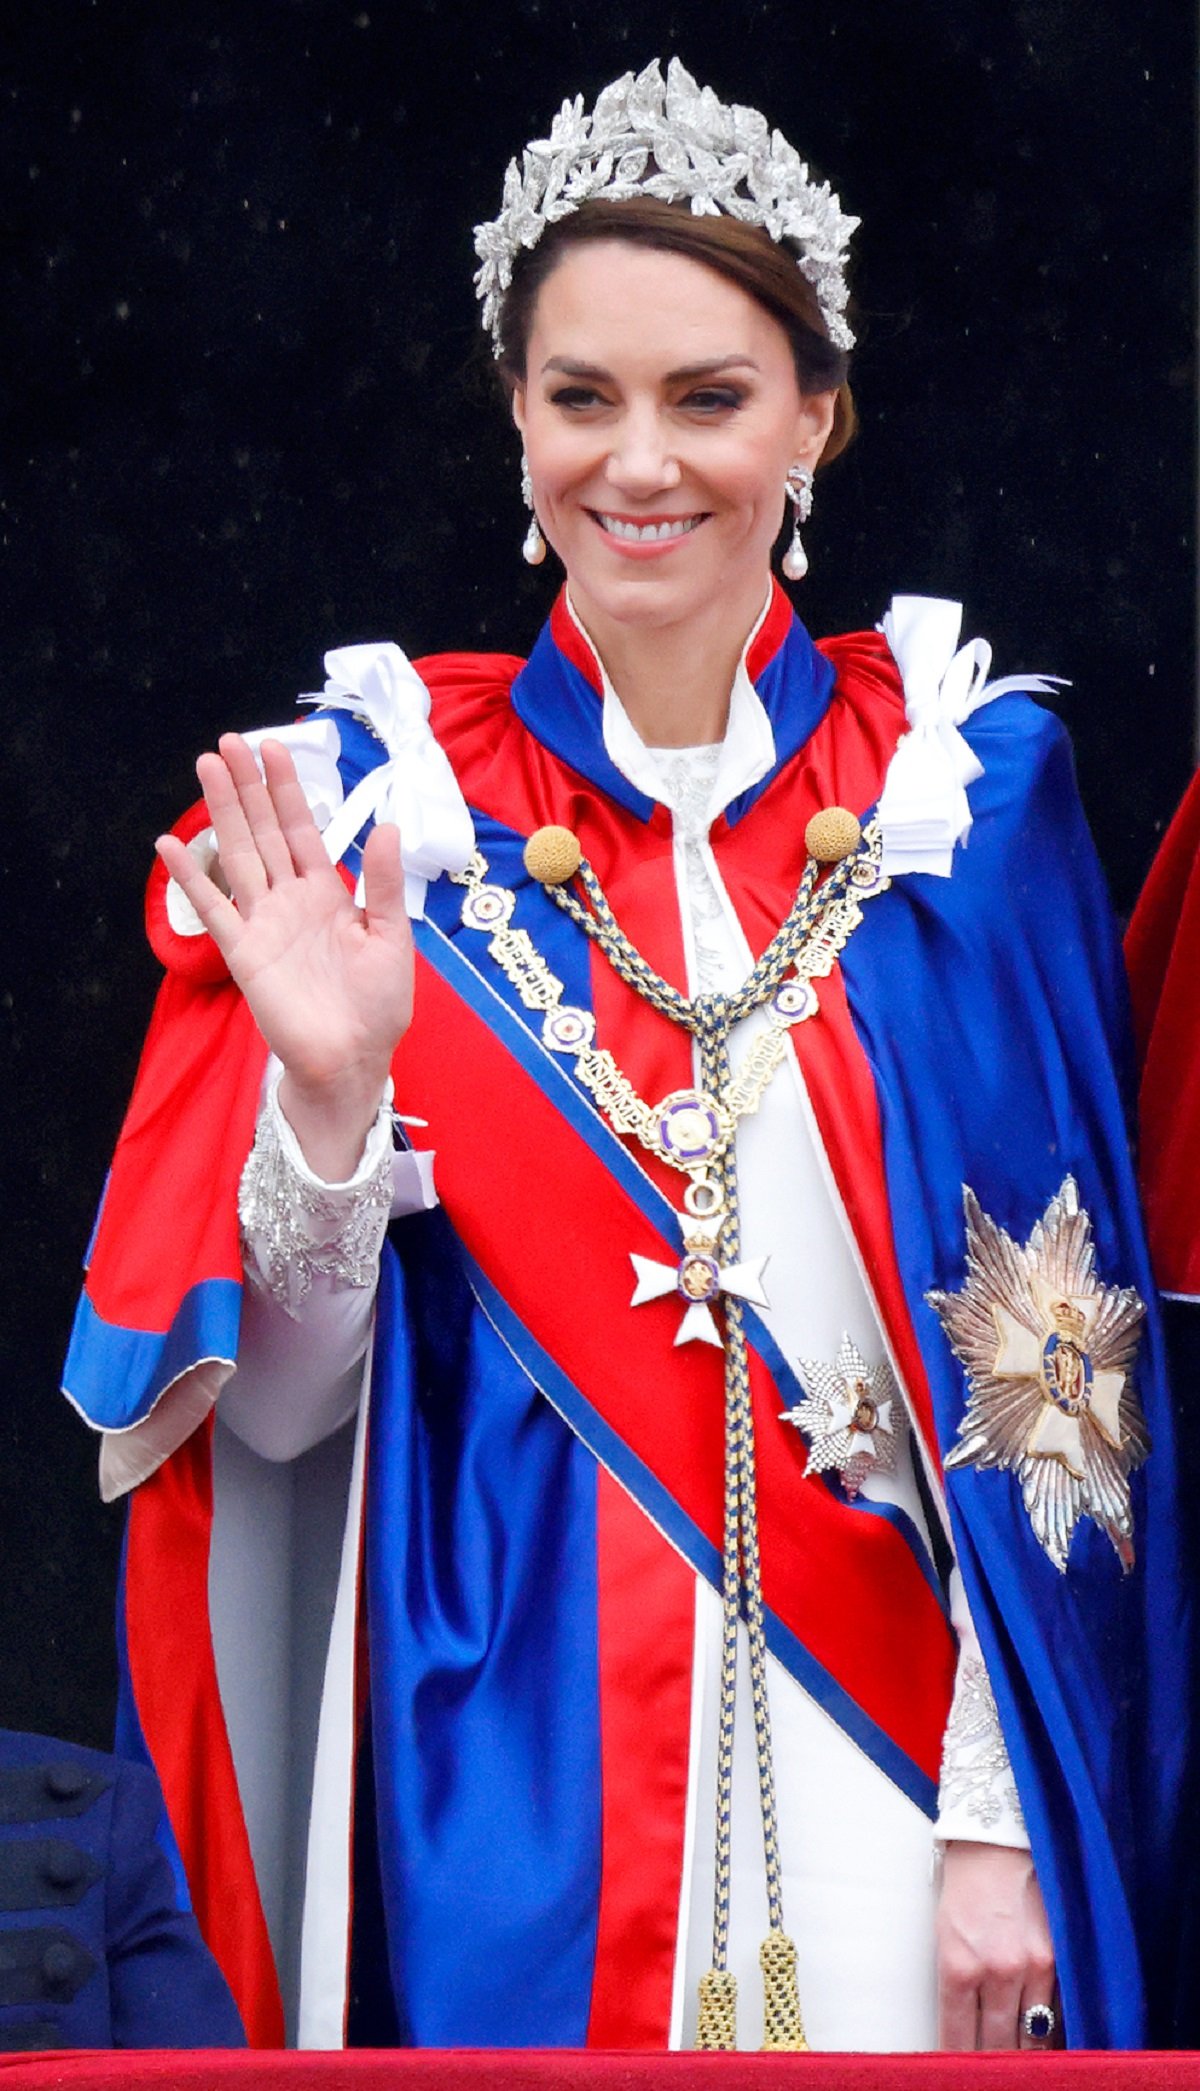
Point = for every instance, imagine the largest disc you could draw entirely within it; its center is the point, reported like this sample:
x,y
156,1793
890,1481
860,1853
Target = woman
x,y
673,980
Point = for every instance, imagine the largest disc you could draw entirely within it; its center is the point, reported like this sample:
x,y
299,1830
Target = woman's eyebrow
x,y
568,367
710,366
571,369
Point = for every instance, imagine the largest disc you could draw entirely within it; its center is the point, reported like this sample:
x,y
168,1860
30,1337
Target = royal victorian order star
x,y
1049,1354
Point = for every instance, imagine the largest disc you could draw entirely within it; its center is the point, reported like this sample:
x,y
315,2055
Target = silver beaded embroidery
x,y
976,1773
296,1229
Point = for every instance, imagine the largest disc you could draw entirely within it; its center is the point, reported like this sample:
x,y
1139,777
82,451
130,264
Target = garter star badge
x,y
852,1416
1049,1354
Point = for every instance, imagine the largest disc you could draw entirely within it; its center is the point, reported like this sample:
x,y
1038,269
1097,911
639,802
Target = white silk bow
x,y
923,810
416,787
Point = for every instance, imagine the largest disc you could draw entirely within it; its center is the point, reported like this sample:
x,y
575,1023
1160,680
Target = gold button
x,y
552,856
832,833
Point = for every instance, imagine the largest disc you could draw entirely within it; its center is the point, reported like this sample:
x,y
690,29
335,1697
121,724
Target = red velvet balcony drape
x,y
563,2070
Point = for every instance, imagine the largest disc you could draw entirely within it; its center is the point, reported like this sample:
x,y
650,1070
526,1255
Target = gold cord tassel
x,y
782,2024
717,2026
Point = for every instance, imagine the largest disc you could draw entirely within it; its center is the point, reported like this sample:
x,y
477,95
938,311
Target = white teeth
x,y
648,533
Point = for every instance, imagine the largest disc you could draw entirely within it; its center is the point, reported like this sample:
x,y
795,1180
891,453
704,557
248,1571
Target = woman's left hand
x,y
995,1957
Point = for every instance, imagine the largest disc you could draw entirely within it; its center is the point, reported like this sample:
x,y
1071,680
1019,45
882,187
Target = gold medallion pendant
x,y
1049,1355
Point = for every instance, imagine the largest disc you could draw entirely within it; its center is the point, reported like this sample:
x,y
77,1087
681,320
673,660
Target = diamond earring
x,y
798,486
533,549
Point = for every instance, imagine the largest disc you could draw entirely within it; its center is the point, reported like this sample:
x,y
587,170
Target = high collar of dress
x,y
747,751
780,692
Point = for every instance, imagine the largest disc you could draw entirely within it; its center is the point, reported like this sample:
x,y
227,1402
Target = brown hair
x,y
745,254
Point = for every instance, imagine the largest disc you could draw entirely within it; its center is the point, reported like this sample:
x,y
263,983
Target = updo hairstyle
x,y
746,255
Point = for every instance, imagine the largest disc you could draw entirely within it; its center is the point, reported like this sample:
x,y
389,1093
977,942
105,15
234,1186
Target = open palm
x,y
329,984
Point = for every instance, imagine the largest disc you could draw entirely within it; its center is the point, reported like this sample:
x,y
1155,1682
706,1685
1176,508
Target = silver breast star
x,y
1049,1354
851,1416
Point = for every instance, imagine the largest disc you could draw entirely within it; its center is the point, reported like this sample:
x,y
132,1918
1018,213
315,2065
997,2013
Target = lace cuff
x,y
977,1795
295,1227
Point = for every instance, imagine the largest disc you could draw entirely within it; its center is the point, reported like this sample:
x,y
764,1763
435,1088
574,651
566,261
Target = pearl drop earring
x,y
798,486
533,549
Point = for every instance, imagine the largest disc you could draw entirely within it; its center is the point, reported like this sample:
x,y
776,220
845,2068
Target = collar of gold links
x,y
694,1131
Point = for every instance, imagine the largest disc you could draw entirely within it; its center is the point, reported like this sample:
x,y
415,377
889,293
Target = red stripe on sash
x,y
174,1676
646,1625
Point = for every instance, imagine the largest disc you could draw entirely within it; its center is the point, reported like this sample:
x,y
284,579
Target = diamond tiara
x,y
673,140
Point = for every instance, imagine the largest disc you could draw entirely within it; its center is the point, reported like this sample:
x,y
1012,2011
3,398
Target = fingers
x,y
306,851
224,779
257,832
267,838
217,913
958,2015
264,828
1000,2011
988,2010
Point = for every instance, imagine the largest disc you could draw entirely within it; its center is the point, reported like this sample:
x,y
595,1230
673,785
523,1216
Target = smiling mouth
x,y
655,533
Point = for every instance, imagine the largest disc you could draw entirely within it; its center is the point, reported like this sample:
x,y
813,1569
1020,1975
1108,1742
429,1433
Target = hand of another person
x,y
329,984
995,1957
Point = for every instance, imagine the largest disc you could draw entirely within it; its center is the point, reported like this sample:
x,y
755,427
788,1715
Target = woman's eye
x,y
576,397
714,399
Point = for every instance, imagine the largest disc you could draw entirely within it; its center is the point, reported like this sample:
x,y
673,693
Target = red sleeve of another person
x,y
1162,950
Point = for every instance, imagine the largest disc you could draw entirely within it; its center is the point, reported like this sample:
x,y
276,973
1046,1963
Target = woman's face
x,y
660,413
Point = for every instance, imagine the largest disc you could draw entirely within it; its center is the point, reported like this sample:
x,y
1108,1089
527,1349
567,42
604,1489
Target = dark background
x,y
247,418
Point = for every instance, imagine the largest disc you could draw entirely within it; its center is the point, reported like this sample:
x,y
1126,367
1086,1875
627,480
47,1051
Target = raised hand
x,y
329,984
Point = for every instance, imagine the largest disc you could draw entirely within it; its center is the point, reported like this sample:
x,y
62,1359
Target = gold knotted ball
x,y
552,856
832,834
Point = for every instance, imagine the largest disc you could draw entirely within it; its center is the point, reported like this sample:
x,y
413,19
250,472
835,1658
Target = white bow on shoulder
x,y
923,810
416,787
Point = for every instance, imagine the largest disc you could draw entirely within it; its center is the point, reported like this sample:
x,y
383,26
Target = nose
x,y
641,461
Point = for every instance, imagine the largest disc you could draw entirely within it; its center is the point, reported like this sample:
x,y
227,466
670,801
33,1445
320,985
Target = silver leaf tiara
x,y
670,139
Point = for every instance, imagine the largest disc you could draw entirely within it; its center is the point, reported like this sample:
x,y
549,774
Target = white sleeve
x,y
977,1794
311,1256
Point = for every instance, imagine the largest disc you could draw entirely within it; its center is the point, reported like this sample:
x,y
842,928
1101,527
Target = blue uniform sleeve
x,y
166,1989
